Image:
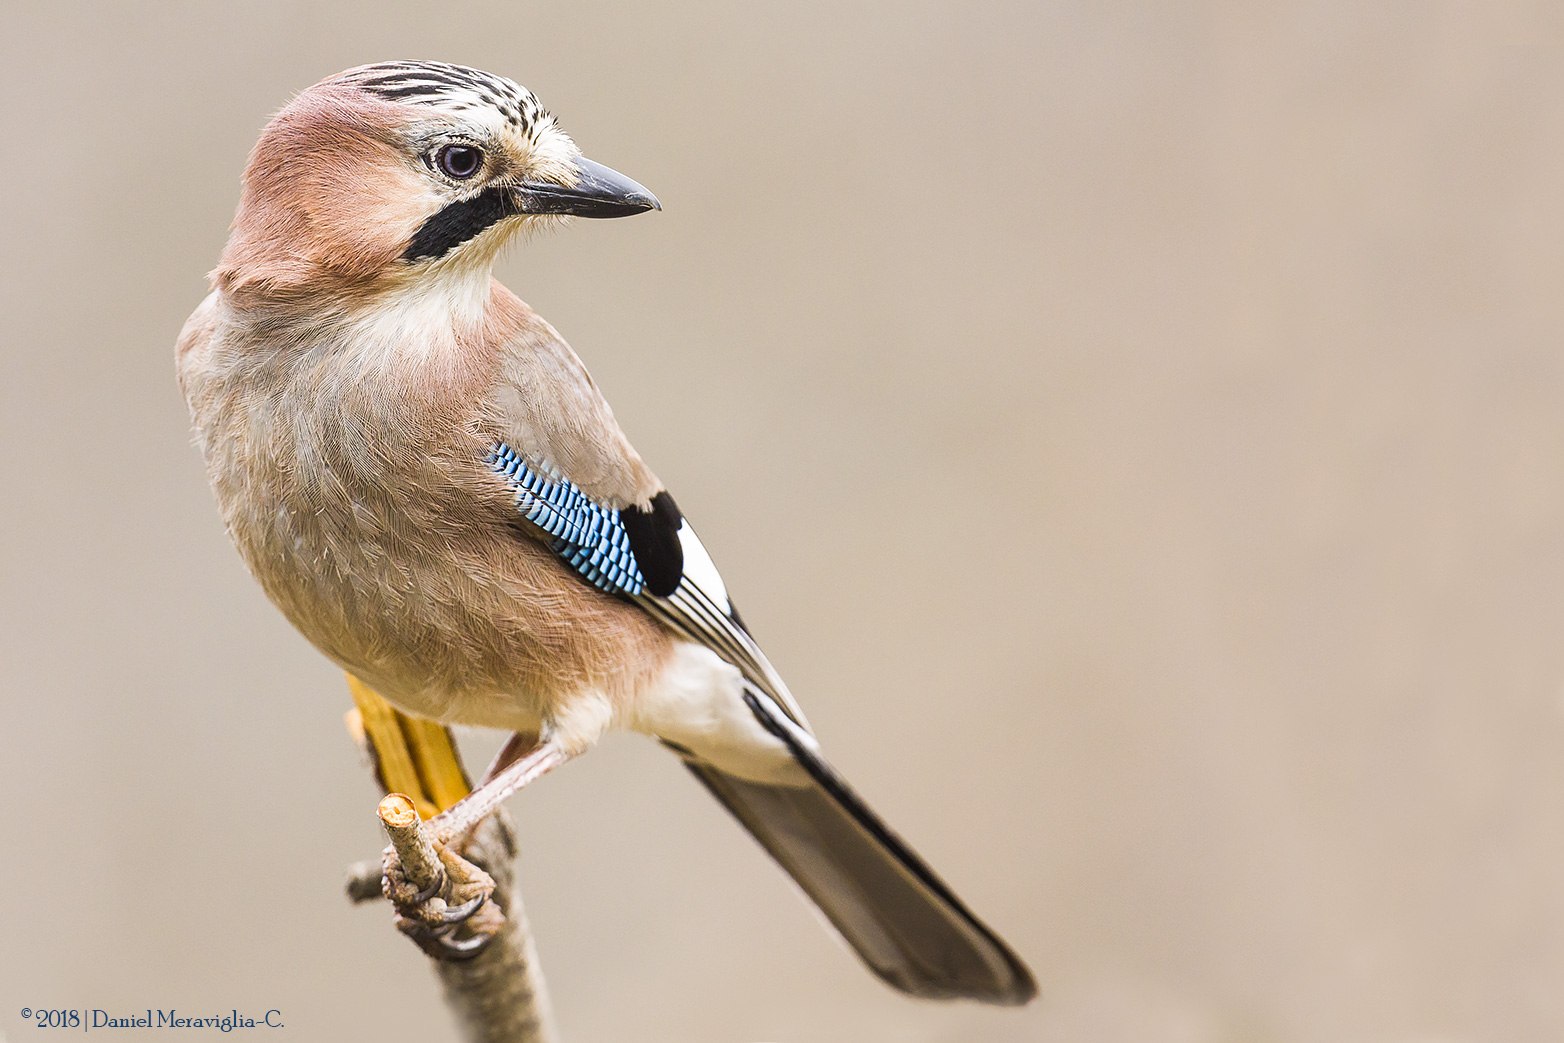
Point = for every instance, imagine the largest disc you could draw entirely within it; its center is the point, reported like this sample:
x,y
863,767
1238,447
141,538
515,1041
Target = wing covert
x,y
651,556
591,538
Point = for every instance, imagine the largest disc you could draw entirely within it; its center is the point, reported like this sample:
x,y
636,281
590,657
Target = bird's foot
x,y
451,918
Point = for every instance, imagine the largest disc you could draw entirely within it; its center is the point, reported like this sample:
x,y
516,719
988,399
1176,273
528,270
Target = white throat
x,y
425,314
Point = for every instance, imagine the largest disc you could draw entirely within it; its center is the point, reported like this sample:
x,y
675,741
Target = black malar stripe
x,y
459,222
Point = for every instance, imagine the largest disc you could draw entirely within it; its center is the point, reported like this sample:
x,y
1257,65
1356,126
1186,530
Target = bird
x,y
426,481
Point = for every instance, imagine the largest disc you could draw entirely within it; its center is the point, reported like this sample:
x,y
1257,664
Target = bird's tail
x,y
883,899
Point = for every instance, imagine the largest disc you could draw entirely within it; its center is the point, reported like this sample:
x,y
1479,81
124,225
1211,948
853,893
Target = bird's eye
x,y
459,161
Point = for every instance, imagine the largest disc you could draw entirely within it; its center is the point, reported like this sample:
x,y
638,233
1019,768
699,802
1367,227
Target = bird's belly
x,y
448,617
398,620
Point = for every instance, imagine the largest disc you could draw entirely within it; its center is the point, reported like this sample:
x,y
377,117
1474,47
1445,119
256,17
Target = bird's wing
x,y
580,487
576,478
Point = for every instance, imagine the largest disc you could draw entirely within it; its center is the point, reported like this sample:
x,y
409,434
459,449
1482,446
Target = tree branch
x,y
488,965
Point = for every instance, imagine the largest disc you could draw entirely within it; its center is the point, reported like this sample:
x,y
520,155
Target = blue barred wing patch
x,y
590,537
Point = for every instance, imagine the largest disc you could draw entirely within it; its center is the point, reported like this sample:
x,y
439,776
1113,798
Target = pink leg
x,y
518,744
473,808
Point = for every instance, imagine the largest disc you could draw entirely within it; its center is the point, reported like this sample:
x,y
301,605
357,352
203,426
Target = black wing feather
x,y
654,540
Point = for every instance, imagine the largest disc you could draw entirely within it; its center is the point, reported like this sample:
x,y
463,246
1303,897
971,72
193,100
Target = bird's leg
x,y
448,917
515,747
518,744
457,820
437,915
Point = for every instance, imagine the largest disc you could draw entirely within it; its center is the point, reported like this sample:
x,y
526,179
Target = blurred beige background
x,y
1135,430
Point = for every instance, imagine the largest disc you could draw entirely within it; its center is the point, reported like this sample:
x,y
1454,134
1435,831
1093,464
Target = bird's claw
x,y
401,891
447,918
452,941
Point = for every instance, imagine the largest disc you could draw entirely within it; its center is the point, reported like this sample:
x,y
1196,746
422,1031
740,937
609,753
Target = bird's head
x,y
388,174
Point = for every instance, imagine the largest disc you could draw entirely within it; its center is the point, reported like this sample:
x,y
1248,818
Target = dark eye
x,y
459,161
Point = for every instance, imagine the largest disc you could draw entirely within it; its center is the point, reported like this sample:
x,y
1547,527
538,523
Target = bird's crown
x,y
450,88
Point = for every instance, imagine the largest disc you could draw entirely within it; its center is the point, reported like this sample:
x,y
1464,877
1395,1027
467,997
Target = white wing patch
x,y
700,571
701,610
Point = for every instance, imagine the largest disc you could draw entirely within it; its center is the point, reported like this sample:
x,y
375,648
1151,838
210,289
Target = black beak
x,y
598,192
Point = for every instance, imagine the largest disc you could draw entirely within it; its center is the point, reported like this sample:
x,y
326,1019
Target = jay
x,y
426,481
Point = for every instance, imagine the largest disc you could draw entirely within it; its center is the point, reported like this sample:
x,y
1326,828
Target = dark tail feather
x,y
889,906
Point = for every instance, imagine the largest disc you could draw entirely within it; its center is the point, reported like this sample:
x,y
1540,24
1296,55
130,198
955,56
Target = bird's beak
x,y
599,191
